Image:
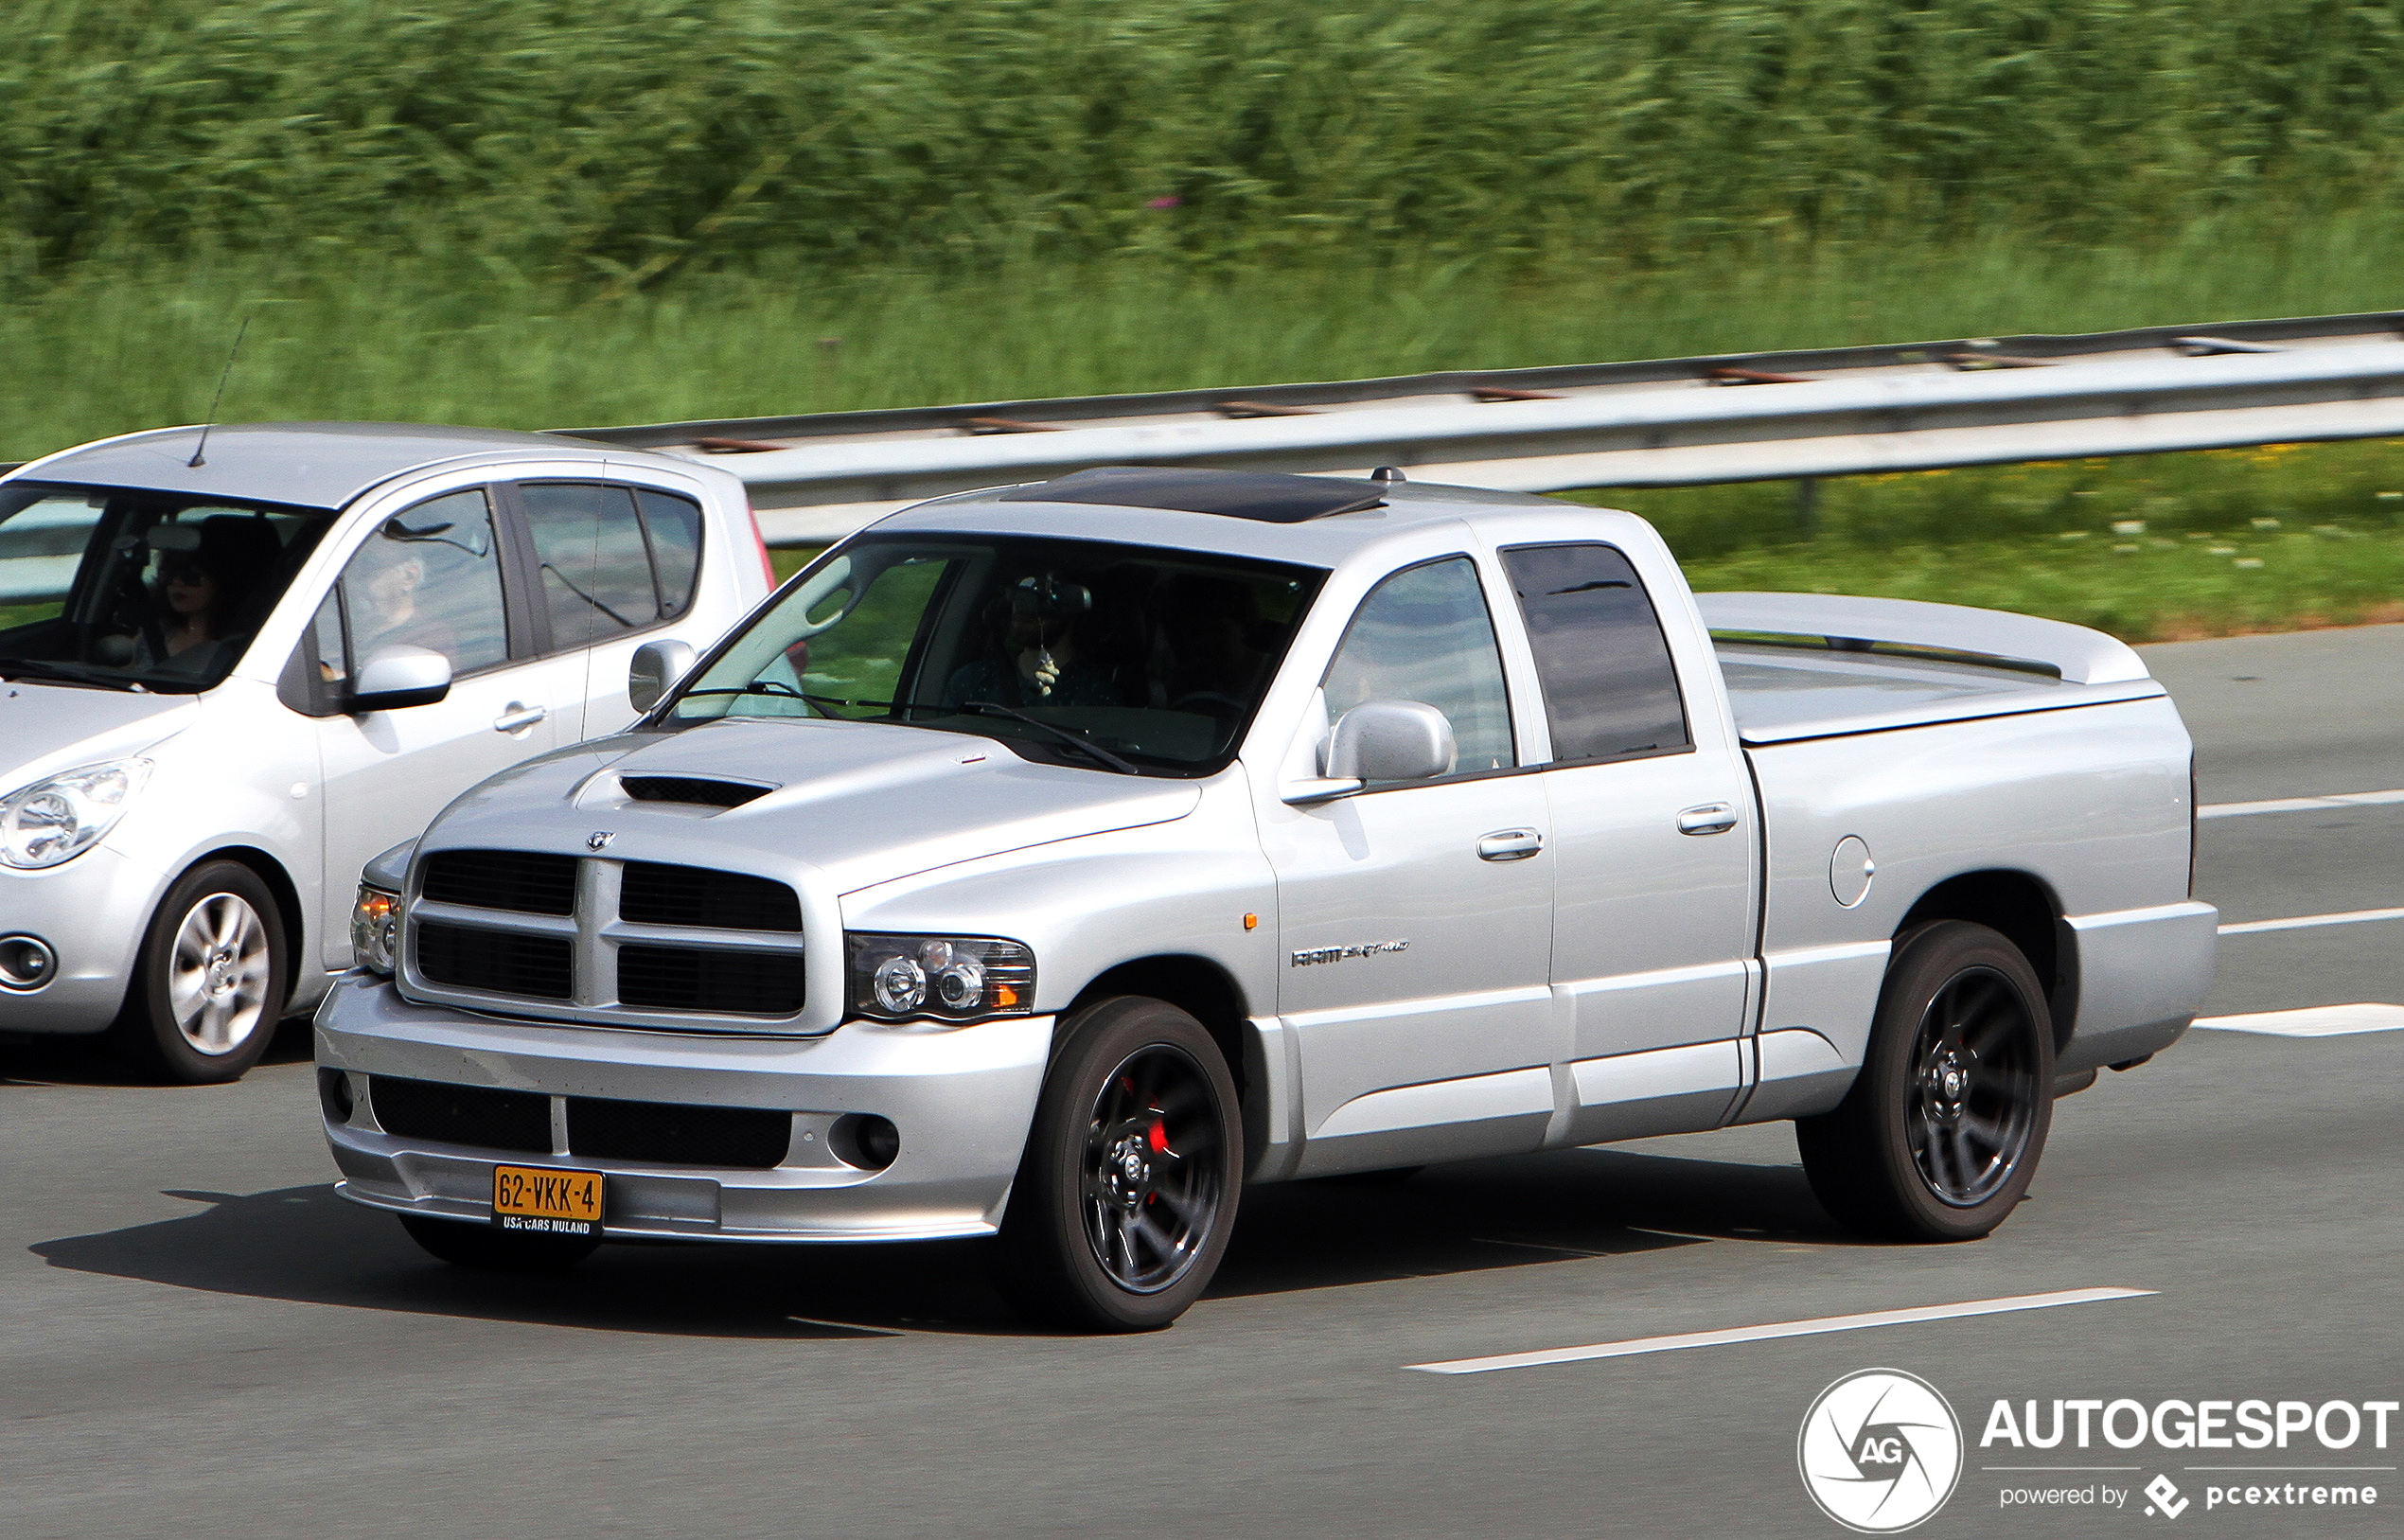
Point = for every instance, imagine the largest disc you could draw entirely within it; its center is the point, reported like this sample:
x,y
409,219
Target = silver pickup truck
x,y
1052,862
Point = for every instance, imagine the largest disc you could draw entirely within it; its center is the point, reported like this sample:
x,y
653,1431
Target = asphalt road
x,y
197,1340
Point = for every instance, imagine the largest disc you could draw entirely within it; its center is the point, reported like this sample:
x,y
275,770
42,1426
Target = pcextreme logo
x,y
1880,1451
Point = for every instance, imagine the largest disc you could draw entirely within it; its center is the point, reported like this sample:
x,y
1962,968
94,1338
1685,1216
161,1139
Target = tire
x,y
1128,1190
208,984
1940,1135
468,1243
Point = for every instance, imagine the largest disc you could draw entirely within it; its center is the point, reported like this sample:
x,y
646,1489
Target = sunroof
x,y
1238,494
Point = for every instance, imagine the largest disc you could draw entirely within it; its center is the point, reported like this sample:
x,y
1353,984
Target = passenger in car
x,y
1035,660
203,594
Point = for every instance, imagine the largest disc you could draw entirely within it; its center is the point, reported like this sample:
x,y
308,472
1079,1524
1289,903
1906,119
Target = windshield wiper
x,y
63,673
1067,735
783,691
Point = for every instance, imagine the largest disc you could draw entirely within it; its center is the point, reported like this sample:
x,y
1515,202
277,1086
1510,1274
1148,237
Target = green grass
x,y
115,346
621,139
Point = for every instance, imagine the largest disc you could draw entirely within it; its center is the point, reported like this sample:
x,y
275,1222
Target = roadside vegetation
x,y
629,210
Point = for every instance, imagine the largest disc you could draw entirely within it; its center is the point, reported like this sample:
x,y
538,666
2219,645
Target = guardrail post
x,y
1806,508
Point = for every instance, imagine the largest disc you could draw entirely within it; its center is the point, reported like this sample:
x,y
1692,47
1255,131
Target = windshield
x,y
121,589
1076,652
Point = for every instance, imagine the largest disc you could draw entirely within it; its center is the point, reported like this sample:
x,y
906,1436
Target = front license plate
x,y
539,1201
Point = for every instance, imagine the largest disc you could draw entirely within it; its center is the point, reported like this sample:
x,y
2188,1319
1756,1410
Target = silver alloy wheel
x,y
217,974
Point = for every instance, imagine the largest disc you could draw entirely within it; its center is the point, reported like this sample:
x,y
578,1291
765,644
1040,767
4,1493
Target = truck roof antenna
x,y
231,354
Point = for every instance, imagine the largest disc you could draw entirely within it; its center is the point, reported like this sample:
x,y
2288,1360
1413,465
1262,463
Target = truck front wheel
x,y
1940,1137
1127,1190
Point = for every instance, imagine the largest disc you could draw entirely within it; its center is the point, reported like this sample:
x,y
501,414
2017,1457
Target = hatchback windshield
x,y
1119,656
122,589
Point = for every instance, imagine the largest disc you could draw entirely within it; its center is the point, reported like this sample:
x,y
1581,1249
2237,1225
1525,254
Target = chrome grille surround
x,y
595,932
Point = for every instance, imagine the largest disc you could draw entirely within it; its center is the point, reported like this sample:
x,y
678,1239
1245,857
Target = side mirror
x,y
655,669
1391,741
396,677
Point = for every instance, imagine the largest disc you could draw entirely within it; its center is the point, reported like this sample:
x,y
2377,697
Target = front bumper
x,y
93,911
963,1099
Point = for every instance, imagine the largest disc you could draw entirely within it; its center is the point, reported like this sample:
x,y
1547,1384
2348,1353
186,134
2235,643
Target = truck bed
x,y
1808,666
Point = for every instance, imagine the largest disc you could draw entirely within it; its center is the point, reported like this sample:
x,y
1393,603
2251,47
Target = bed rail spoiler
x,y
2076,654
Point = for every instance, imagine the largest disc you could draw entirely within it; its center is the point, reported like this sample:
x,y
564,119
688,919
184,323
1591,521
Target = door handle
x,y
1510,845
1711,817
519,717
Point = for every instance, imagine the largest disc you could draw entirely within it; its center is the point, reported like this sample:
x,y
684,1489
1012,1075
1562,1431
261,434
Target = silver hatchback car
x,y
232,672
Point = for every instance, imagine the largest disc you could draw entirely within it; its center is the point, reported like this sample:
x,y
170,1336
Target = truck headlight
x,y
375,928
60,818
945,977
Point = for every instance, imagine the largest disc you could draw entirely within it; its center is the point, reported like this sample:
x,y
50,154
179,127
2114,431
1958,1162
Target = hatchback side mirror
x,y
655,669
398,675
1391,741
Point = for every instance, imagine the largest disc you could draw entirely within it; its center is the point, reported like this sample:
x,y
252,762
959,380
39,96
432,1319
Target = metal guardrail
x,y
1752,417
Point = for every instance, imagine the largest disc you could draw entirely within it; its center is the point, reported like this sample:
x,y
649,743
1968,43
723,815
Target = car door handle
x,y
519,717
1510,845
1711,817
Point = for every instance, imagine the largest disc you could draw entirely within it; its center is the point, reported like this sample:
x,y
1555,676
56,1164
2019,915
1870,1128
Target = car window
x,y
428,577
121,587
674,525
41,545
1157,658
1424,634
1610,689
596,571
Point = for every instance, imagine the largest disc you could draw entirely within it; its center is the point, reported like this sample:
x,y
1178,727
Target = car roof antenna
x,y
231,354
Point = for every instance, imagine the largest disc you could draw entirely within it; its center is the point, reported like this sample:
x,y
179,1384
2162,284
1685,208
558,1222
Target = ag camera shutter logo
x,y
1880,1450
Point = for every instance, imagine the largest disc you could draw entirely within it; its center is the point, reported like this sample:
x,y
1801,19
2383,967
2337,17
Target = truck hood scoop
x,y
863,801
698,790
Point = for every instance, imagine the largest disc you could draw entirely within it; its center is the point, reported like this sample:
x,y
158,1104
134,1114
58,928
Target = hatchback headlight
x,y
375,928
60,818
945,977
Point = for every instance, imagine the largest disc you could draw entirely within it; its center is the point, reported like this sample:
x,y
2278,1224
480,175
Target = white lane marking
x,y
1775,1330
2312,1021
2299,804
2306,922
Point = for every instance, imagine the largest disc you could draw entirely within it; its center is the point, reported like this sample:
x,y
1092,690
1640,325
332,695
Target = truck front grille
x,y
752,1138
660,894
692,979
594,939
477,1115
497,962
520,882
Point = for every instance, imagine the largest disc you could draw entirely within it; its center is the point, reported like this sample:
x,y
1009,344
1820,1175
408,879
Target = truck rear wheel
x,y
208,981
1127,1192
1940,1137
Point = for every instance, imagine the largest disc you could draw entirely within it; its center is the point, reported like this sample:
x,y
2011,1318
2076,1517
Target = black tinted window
x,y
1609,691
674,525
597,574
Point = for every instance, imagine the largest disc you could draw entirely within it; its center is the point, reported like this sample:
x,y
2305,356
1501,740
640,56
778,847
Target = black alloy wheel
x,y
1940,1137
1128,1190
1152,1169
1973,1088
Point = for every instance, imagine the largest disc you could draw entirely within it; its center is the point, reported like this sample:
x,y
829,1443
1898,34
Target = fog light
x,y
333,1094
26,963
864,1140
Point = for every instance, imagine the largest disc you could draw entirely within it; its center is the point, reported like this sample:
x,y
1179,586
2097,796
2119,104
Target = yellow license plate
x,y
540,1202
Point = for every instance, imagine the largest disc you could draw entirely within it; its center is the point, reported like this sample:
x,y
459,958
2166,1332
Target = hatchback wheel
x,y
208,981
